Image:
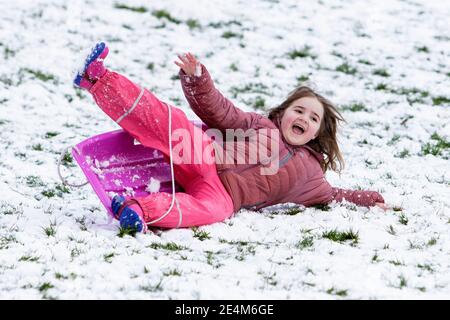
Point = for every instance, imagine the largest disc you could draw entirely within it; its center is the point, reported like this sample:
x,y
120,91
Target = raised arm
x,y
206,101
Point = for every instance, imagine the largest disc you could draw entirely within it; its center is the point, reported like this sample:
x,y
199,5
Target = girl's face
x,y
301,121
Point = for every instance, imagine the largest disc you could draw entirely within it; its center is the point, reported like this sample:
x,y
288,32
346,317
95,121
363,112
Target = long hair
x,y
326,141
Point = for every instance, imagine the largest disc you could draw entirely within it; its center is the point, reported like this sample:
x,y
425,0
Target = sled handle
x,y
64,180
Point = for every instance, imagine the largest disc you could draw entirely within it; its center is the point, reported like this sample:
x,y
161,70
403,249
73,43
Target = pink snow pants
x,y
205,199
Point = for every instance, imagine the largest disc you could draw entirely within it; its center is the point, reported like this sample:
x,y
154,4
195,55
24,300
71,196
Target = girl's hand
x,y
189,64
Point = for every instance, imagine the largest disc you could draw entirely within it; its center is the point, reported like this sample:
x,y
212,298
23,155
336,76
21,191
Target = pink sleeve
x,y
358,197
211,106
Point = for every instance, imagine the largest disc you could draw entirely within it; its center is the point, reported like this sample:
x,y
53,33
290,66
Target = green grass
x,y
126,232
50,134
67,160
250,88
293,211
40,75
423,49
193,24
163,14
34,181
49,193
244,251
8,53
354,107
172,272
259,103
222,24
339,236
230,34
437,146
20,155
403,154
302,53
375,258
366,62
431,242
233,67
108,257
403,283
50,231
302,78
381,73
29,258
45,286
413,95
133,9
151,66
322,207
440,100
9,209
200,234
395,138
37,147
337,292
381,87
152,288
75,252
414,245
60,276
6,240
171,246
391,230
347,69
426,267
337,54
59,190
403,219
396,262
306,242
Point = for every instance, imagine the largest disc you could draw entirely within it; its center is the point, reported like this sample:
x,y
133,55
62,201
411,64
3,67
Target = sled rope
x,y
64,180
174,199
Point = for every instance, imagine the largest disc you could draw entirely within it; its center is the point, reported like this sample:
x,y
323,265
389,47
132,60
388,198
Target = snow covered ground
x,y
384,63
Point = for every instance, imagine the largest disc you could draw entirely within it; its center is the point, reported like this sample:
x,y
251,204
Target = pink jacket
x,y
299,179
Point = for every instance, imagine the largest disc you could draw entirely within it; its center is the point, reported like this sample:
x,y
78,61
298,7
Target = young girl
x,y
304,126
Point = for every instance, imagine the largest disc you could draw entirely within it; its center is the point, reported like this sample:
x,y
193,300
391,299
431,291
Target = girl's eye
x,y
299,111
314,119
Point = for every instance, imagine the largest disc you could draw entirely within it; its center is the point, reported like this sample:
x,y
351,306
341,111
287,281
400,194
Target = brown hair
x,y
326,141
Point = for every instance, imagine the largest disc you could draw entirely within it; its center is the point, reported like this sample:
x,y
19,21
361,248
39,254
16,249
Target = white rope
x,y
173,178
64,180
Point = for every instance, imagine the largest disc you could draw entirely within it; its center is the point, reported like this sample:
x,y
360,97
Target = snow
x,y
153,185
60,245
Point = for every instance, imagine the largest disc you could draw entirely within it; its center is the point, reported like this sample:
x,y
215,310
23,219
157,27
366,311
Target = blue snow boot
x,y
93,61
128,218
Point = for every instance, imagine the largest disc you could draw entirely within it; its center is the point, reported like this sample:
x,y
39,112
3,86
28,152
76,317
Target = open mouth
x,y
298,129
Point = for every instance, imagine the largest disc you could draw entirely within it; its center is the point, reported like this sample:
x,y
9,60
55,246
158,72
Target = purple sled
x,y
114,163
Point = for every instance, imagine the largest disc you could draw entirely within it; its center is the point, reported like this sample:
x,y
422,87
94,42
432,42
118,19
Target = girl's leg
x,y
147,119
148,122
